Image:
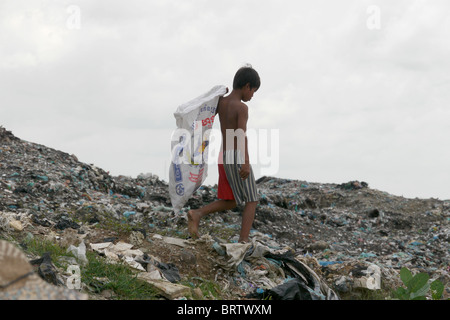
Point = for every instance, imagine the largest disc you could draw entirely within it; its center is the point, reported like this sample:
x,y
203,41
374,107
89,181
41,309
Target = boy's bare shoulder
x,y
241,108
231,105
237,104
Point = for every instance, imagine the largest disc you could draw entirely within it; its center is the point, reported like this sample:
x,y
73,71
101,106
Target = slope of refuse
x,y
309,240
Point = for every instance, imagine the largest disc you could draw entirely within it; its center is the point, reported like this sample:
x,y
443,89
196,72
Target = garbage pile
x,y
52,187
359,237
309,240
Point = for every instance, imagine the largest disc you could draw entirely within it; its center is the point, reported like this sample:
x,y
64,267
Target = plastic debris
x,y
79,252
351,236
169,290
46,269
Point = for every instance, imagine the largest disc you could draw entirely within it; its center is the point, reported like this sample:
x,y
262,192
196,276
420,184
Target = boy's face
x,y
248,93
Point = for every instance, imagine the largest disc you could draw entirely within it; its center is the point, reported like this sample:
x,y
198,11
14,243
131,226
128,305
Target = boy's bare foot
x,y
193,223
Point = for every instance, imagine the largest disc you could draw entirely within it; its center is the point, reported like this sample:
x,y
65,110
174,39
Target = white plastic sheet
x,y
190,141
79,252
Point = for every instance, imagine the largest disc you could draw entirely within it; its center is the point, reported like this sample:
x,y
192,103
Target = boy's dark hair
x,y
246,75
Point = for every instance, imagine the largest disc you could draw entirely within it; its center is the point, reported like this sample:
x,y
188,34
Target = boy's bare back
x,y
233,114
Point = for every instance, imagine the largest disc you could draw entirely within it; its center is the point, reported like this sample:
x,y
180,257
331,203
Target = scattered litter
x,y
278,273
119,252
349,235
167,289
46,269
175,241
79,252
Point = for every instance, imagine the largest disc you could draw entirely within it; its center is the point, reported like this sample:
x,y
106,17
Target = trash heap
x,y
357,237
53,187
309,240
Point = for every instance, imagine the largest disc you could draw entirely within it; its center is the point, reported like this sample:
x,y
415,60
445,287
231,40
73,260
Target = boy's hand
x,y
245,171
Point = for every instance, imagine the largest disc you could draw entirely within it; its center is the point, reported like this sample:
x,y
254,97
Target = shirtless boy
x,y
236,180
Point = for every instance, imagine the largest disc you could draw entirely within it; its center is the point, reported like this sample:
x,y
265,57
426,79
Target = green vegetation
x,y
121,281
418,286
98,275
209,289
118,278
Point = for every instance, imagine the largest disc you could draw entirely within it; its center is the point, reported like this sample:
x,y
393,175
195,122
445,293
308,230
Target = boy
x,y
236,180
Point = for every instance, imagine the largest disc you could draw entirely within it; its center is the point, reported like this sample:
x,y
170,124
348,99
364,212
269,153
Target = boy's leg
x,y
248,215
195,215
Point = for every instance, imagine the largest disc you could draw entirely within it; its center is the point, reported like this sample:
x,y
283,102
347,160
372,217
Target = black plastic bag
x,y
294,289
170,271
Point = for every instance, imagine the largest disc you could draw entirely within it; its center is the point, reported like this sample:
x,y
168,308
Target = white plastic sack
x,y
79,252
190,141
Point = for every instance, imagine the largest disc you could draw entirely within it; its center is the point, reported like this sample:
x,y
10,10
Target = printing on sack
x,y
179,188
196,177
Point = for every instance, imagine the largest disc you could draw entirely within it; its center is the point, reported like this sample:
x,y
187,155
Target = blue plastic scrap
x,y
127,214
329,263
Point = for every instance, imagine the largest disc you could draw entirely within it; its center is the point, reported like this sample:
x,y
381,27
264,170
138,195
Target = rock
x,y
198,294
187,256
108,294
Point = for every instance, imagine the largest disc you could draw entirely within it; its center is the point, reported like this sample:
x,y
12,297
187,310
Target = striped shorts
x,y
243,190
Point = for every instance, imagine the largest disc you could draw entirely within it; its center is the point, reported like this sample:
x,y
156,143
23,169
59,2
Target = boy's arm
x,y
242,124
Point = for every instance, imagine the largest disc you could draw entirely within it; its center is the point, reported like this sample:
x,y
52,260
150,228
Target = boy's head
x,y
246,75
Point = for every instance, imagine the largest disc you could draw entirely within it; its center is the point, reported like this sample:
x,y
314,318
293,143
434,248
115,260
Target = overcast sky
x,y
357,90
